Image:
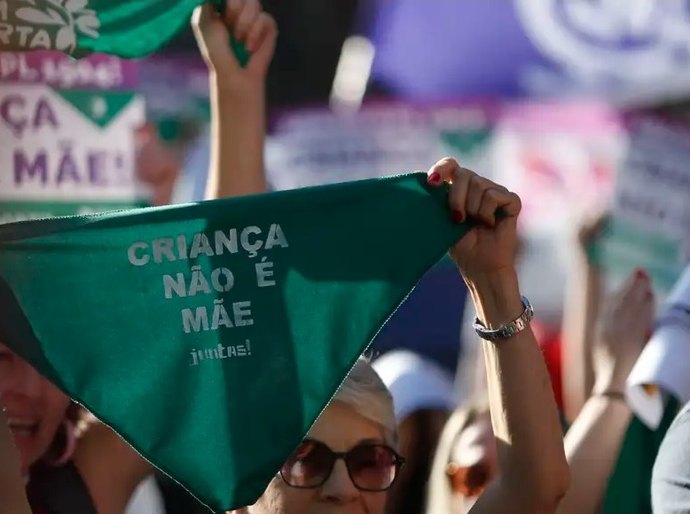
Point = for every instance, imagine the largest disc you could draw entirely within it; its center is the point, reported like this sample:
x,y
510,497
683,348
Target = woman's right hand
x,y
490,246
624,328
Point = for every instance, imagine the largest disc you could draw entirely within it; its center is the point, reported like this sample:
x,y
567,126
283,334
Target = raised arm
x,y
533,470
12,493
579,317
237,94
595,438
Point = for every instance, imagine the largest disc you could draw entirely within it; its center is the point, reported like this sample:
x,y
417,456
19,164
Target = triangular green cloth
x,y
210,336
629,488
126,28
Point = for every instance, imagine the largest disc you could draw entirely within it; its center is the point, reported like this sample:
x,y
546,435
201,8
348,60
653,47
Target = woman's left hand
x,y
249,24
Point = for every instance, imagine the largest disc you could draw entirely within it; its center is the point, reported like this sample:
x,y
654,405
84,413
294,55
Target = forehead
x,y
340,427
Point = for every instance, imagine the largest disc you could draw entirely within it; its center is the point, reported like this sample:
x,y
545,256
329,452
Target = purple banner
x,y
610,49
102,72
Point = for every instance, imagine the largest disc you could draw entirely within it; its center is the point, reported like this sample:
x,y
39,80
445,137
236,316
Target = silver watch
x,y
509,329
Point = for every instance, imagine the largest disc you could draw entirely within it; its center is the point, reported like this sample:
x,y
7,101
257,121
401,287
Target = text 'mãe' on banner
x,y
68,135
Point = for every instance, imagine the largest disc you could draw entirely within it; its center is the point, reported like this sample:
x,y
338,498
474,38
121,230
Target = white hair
x,y
365,392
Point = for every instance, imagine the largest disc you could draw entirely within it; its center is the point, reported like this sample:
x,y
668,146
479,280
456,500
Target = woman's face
x,y
473,463
34,407
341,429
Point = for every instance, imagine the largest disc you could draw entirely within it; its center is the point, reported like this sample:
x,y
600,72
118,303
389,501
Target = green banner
x,y
11,212
210,336
77,27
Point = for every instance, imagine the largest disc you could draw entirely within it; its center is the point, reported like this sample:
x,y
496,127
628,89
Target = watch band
x,y
509,329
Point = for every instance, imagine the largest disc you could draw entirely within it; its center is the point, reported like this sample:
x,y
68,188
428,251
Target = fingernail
x,y
648,335
434,178
641,274
458,217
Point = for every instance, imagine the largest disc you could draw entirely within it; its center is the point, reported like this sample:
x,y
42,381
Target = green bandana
x,y
132,28
210,336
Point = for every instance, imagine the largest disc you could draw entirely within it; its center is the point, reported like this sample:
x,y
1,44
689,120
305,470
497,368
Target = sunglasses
x,y
372,467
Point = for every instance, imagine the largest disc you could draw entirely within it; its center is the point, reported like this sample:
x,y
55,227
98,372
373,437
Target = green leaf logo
x,y
69,18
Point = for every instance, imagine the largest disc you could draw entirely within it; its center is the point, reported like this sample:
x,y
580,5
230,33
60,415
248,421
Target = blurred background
x,y
578,106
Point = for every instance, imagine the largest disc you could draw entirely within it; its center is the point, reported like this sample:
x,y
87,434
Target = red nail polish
x,y
641,274
458,217
648,335
434,178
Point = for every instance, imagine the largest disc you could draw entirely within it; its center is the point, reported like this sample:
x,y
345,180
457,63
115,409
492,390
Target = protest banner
x,y
561,160
650,223
81,27
548,49
203,327
319,146
68,133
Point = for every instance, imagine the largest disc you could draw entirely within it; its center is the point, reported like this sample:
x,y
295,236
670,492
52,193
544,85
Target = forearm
x,y
592,446
581,310
111,487
237,139
523,410
12,492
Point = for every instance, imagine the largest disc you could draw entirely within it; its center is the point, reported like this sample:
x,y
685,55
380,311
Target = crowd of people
x,y
395,439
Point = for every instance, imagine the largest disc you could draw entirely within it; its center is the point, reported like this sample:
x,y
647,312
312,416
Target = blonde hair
x,y
440,494
365,392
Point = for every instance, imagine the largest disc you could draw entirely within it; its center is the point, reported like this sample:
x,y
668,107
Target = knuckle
x,y
476,181
493,195
448,161
489,205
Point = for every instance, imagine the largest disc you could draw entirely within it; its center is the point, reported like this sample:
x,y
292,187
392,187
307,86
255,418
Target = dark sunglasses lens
x,y
308,466
372,468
